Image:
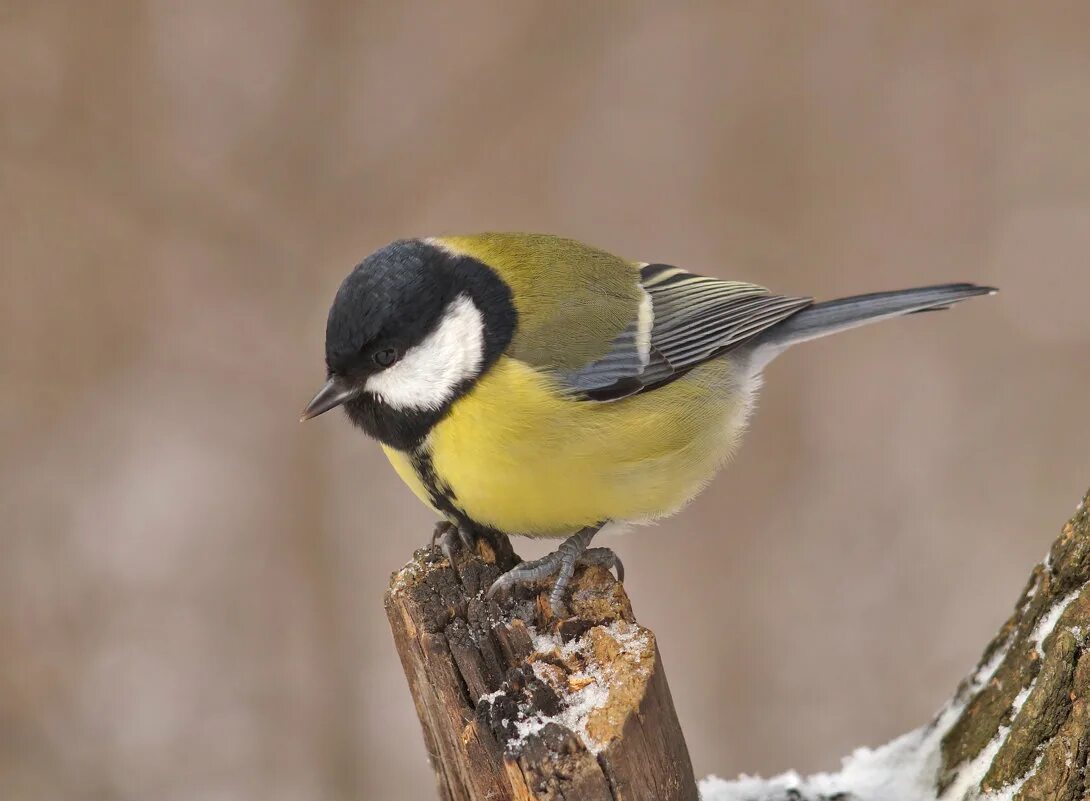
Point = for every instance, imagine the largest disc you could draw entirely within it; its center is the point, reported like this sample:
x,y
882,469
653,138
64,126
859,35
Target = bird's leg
x,y
560,563
448,535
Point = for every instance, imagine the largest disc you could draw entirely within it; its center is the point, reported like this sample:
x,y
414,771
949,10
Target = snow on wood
x,y
516,704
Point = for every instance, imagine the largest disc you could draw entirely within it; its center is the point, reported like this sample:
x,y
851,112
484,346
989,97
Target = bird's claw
x,y
449,535
604,557
561,563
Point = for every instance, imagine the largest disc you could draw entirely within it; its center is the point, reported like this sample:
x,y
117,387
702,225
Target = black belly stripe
x,y
441,495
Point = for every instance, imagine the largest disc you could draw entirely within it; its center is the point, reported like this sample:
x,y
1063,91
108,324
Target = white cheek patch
x,y
428,373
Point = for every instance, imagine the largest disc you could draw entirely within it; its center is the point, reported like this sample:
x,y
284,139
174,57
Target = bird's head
x,y
411,328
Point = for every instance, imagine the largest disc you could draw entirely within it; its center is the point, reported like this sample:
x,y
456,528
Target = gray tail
x,y
840,315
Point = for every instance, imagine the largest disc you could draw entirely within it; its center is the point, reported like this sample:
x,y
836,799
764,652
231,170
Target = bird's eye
x,y
385,357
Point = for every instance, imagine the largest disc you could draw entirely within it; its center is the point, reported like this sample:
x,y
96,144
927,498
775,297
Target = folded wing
x,y
684,319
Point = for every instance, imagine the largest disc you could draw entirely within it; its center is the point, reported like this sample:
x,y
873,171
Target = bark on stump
x,y
516,704
1024,725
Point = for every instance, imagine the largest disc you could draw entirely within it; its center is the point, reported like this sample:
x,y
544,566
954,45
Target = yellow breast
x,y
523,459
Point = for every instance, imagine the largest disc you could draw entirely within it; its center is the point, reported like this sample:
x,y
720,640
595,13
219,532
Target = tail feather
x,y
840,315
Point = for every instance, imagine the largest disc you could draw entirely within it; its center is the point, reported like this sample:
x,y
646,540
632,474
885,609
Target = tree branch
x,y
1017,729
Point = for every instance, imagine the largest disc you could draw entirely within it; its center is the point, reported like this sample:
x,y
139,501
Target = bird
x,y
529,384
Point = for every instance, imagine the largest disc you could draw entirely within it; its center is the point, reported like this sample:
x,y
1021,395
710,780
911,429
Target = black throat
x,y
405,429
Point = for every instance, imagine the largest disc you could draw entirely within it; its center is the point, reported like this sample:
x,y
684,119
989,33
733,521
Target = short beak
x,y
335,392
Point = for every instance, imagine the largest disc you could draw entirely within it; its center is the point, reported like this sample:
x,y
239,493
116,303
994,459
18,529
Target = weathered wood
x,y
1024,726
519,705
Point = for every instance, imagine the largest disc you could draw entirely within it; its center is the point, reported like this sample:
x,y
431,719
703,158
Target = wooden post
x,y
517,704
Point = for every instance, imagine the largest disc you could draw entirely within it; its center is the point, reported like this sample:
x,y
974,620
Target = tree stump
x,y
517,704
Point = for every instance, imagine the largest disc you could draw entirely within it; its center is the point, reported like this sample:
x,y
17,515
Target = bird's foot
x,y
603,557
561,563
450,536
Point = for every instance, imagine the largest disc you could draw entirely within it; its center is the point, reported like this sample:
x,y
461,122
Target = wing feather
x,y
690,319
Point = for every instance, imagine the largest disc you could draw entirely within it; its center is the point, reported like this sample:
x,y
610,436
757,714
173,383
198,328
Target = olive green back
x,y
572,299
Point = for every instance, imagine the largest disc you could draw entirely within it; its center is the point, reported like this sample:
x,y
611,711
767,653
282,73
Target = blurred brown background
x,y
190,581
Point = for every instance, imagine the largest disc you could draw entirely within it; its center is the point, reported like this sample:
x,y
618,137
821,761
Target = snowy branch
x,y
1017,729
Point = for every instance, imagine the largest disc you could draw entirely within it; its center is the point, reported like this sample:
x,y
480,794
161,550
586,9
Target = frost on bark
x,y
1024,726
517,704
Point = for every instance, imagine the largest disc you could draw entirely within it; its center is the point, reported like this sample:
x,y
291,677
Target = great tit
x,y
529,384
